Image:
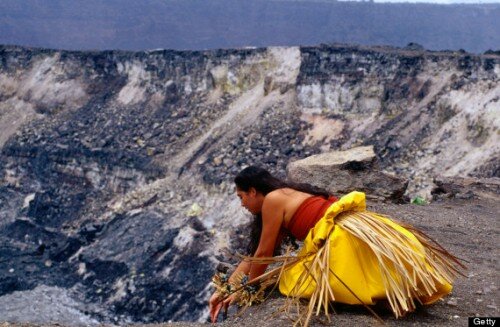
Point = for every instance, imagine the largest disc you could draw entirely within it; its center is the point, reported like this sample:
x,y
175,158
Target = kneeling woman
x,y
349,255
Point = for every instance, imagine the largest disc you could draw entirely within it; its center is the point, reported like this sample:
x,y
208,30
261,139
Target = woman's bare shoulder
x,y
284,194
275,196
285,200
275,201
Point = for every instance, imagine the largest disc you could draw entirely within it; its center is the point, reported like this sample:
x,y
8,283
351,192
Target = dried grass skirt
x,y
355,256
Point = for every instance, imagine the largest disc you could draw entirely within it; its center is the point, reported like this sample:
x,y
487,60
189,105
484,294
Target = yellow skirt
x,y
369,258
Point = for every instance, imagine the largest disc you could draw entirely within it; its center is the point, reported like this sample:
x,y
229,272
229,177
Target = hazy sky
x,y
432,1
195,25
443,1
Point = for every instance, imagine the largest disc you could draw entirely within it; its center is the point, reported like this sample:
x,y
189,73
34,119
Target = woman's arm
x,y
243,267
272,219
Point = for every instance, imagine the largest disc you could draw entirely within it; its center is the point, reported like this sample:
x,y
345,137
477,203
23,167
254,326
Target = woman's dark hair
x,y
258,178
264,183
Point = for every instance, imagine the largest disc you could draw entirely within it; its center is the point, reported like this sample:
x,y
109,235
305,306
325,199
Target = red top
x,y
308,214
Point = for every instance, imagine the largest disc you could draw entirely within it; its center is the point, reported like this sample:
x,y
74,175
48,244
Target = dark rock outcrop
x,y
465,187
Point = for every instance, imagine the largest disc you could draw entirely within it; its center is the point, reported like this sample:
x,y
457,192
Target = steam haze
x,y
199,24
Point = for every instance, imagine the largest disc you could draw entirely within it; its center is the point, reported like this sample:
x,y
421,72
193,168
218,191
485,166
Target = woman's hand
x,y
216,304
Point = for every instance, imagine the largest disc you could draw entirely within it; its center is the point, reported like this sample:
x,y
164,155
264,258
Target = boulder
x,y
340,172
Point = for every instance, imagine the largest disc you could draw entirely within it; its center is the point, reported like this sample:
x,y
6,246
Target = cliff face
x,y
427,114
116,167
